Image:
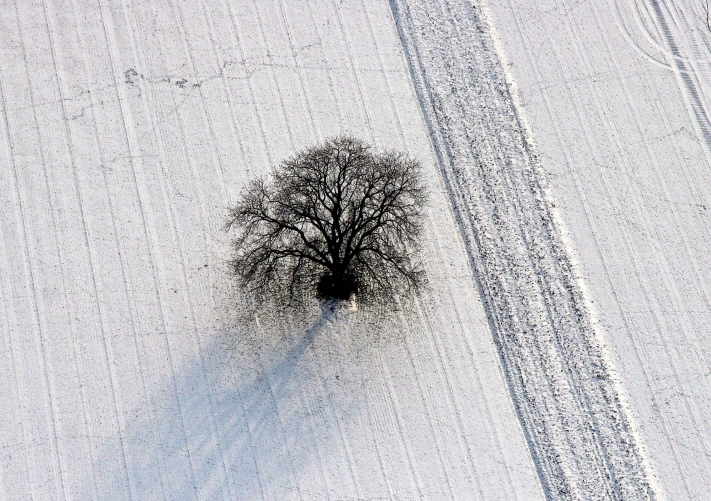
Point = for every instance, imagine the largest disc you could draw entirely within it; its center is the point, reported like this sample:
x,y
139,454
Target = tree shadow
x,y
246,420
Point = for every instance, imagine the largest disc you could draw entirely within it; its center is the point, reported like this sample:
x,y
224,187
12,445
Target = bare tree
x,y
337,219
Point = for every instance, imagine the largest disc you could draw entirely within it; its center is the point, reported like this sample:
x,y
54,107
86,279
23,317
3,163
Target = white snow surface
x,y
617,95
128,368
560,352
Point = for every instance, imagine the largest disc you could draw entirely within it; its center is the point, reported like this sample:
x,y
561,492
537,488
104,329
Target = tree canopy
x,y
337,219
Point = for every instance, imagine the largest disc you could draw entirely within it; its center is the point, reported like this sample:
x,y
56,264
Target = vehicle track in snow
x,y
566,394
675,35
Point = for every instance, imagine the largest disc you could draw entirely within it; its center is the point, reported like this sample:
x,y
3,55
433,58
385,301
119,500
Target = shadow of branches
x,y
240,422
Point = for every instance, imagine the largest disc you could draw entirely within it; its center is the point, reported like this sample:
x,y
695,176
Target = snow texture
x,y
617,96
128,368
578,430
561,352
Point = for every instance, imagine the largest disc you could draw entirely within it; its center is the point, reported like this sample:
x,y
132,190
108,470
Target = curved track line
x,y
689,79
619,18
659,41
669,284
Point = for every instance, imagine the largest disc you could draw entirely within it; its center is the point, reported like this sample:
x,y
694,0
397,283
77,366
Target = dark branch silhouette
x,y
337,220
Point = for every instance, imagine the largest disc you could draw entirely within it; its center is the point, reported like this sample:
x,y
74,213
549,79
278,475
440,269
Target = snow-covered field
x,y
559,353
128,127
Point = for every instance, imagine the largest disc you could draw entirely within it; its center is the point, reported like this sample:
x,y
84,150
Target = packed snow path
x,y
617,97
579,432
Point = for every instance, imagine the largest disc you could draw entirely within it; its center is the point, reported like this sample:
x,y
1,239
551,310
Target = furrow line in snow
x,y
149,214
436,348
12,184
97,148
262,473
598,102
320,392
681,33
579,435
394,118
195,180
395,403
44,320
382,406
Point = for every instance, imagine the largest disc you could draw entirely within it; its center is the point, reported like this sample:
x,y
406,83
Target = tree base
x,y
342,289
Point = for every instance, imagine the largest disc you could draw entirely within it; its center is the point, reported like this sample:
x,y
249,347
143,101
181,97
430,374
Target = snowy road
x,y
617,95
579,431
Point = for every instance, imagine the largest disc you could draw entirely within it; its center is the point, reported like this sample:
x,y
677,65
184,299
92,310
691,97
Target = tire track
x,y
453,402
579,436
613,136
687,76
675,295
677,31
678,41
